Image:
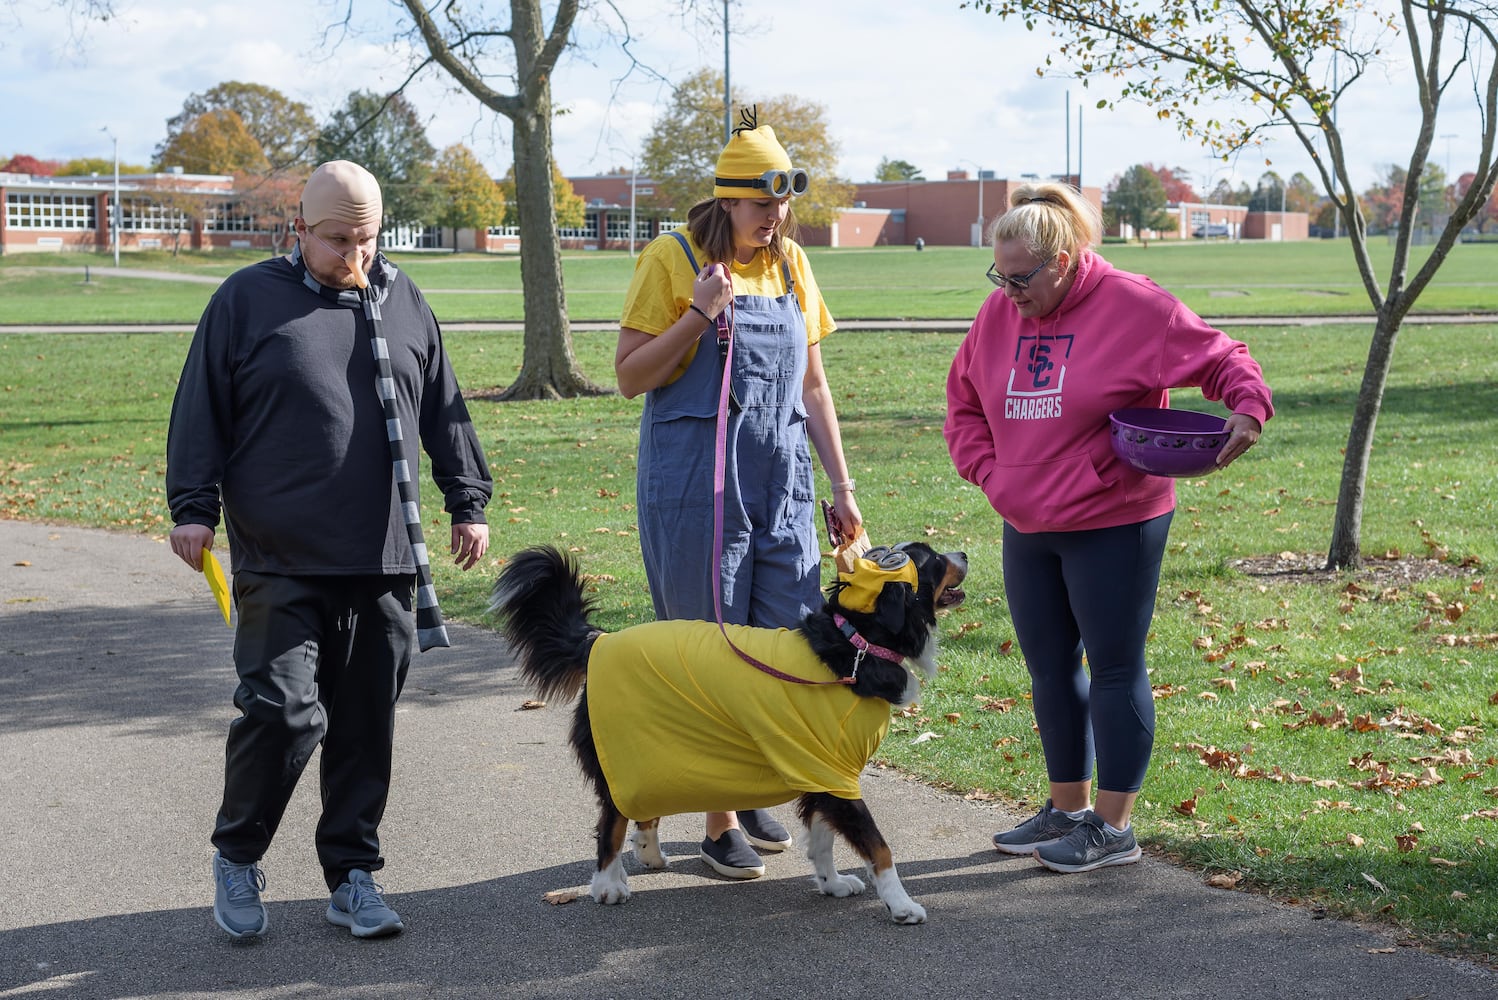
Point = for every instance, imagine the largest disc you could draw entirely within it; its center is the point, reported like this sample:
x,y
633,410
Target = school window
x,y
228,218
588,231
49,211
143,215
618,228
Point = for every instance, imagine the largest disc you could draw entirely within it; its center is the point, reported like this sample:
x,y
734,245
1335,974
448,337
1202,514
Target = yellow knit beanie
x,y
752,150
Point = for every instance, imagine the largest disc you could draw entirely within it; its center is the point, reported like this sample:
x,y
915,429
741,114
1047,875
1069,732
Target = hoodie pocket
x,y
1049,496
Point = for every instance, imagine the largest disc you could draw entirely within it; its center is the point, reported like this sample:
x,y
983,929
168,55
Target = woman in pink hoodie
x,y
1065,340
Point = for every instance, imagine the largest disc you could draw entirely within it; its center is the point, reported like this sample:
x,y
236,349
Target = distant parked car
x,y
1204,232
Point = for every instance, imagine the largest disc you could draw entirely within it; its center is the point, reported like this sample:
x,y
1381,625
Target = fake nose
x,y
356,267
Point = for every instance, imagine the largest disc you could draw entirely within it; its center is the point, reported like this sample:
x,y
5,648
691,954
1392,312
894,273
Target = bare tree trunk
x,y
1345,551
548,368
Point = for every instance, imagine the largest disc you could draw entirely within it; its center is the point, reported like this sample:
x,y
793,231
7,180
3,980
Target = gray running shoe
x,y
1089,846
731,856
359,905
236,898
763,830
1045,827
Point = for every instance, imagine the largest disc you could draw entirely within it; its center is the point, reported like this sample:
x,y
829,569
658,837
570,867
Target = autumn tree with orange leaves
x,y
1286,64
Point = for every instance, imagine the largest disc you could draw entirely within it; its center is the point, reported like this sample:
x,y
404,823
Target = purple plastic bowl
x,y
1164,442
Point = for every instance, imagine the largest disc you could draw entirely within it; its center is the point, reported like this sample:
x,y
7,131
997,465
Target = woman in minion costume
x,y
734,265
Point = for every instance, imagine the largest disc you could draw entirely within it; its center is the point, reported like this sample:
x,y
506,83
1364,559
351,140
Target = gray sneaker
x,y
1089,846
1045,827
763,830
731,856
236,898
359,905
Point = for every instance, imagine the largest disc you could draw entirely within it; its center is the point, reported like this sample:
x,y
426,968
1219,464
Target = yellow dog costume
x,y
691,727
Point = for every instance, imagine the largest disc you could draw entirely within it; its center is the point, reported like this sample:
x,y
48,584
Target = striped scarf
x,y
430,630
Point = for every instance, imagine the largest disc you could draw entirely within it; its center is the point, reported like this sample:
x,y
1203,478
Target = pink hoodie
x,y
1028,399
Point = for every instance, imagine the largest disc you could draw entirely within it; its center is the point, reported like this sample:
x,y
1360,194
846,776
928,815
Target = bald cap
x,y
344,192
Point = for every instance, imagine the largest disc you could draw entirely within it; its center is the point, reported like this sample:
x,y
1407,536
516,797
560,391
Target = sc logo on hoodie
x,y
1037,377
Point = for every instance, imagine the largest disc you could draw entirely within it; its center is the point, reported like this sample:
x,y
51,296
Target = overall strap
x,y
725,322
686,249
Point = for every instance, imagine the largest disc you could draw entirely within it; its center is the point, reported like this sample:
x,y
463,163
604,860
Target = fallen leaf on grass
x,y
1375,882
557,897
1225,880
1380,951
927,735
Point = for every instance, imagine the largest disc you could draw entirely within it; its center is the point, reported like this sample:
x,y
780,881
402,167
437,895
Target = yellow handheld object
x,y
216,582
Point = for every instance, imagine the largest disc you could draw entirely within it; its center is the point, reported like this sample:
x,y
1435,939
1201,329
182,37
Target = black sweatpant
x,y
320,659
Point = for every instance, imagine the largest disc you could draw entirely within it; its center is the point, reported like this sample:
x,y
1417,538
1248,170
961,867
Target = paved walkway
x,y
913,325
115,687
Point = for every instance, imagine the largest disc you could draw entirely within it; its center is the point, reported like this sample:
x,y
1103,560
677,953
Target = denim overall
x,y
771,572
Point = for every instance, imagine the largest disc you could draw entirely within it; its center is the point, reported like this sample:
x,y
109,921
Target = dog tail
x,y
543,611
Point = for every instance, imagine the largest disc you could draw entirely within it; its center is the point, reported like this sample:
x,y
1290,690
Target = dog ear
x,y
889,609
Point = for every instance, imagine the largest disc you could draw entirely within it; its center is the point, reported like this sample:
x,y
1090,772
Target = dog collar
x,y
864,646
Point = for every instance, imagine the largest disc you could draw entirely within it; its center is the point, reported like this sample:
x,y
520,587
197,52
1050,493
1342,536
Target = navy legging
x,y
1071,591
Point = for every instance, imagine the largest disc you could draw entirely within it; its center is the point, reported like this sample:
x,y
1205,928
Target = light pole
x,y
1283,185
1450,184
633,182
727,107
1448,136
978,232
114,212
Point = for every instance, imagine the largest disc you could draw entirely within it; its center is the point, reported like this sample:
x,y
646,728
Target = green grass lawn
x,y
1327,739
1216,279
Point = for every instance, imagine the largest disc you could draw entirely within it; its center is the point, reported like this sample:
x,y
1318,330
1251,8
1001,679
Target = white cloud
x,y
942,87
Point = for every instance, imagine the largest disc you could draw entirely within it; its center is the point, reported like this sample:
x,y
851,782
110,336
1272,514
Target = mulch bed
x,y
1305,567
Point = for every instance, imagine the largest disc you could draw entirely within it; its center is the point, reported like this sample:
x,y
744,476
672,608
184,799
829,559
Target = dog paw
x,y
908,912
647,848
608,890
840,885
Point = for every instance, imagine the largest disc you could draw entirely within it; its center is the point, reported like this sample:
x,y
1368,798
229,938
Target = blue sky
x,y
927,82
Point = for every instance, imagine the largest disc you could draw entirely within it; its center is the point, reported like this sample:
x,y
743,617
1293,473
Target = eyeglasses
x,y
778,183
1021,283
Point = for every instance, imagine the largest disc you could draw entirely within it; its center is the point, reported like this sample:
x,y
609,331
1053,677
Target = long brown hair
x,y
712,230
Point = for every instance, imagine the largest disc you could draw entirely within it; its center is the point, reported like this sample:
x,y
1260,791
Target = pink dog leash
x,y
720,470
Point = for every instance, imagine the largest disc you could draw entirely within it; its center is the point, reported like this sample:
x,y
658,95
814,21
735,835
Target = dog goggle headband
x,y
776,183
871,571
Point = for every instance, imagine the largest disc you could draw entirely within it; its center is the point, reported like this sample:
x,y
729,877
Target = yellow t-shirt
x,y
682,724
661,289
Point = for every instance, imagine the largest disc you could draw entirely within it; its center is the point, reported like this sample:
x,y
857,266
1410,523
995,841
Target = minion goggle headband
x,y
871,571
776,183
